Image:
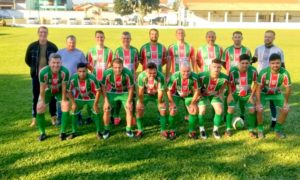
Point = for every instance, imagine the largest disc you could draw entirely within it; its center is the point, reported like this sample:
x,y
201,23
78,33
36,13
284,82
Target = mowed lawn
x,y
22,156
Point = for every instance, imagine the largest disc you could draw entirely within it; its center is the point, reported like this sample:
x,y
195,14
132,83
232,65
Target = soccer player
x,y
151,87
154,51
183,86
242,83
70,56
178,53
270,80
213,84
208,52
262,55
129,55
53,83
118,85
99,57
230,58
37,57
86,90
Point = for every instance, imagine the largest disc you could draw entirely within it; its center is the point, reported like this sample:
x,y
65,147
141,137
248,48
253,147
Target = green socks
x,y
201,120
278,127
64,121
172,122
163,123
74,122
40,118
139,124
229,121
128,128
217,120
192,122
98,122
251,121
260,127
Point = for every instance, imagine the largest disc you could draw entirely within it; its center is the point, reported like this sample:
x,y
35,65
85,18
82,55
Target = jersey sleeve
x,y
110,58
105,74
224,56
129,79
140,81
66,76
287,79
164,56
42,77
171,82
70,85
192,53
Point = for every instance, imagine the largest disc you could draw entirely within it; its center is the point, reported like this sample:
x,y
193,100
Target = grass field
x,y
23,157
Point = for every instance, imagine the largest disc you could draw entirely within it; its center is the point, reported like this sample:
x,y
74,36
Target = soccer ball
x,y
238,123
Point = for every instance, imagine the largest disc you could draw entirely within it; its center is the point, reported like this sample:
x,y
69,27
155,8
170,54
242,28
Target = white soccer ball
x,y
238,123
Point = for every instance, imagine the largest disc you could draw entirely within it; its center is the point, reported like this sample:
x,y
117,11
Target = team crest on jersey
x,y
55,81
274,82
82,88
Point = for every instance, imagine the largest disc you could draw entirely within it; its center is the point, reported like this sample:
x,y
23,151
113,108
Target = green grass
x,y
23,157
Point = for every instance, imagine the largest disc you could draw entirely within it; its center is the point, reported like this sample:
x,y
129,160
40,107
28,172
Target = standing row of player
x,y
182,85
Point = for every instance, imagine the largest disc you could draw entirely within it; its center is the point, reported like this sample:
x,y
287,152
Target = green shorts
x,y
242,99
187,100
148,98
206,100
278,99
80,103
49,95
114,97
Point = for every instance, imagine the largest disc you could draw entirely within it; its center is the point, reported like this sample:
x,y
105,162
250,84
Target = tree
x,y
176,5
144,7
123,7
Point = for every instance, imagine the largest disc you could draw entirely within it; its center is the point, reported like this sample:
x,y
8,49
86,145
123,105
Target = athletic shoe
x,y
252,135
217,134
129,134
99,135
117,121
228,133
106,134
72,136
203,135
133,121
192,135
139,134
33,122
272,126
53,120
164,134
42,137
280,135
260,135
172,135
62,136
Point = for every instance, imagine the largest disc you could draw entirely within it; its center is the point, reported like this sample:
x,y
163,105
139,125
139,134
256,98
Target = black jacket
x,y
33,53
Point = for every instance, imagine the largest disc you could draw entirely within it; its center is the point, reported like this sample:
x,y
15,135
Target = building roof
x,y
244,5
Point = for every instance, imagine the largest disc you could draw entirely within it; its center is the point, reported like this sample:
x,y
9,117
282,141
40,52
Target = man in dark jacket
x,y
37,57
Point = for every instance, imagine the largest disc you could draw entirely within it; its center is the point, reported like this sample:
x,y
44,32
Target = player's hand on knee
x,y
65,106
173,108
251,100
41,107
162,106
192,108
229,98
140,106
73,107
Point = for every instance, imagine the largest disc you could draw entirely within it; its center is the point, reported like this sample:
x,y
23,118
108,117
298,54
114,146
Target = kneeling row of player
x,y
196,91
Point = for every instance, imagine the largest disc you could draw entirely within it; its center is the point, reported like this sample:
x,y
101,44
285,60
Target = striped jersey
x,y
183,87
206,54
54,81
129,56
231,56
155,53
85,89
151,87
117,84
271,82
100,59
179,53
241,82
211,86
